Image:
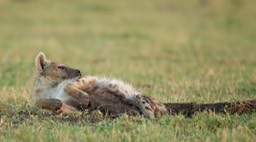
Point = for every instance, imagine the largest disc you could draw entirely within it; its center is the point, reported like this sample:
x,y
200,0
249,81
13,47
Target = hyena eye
x,y
61,67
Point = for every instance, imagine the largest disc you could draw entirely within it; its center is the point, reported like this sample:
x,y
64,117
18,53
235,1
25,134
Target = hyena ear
x,y
40,62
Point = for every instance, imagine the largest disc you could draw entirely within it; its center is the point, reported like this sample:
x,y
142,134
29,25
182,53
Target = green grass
x,y
198,50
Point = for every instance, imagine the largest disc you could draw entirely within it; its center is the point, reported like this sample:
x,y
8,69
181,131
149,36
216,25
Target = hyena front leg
x,y
76,89
77,94
54,105
49,104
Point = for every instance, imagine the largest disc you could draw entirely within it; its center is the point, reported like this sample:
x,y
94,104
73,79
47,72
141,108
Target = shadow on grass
x,y
14,115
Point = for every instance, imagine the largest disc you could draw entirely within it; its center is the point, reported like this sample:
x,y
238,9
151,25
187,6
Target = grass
x,y
198,50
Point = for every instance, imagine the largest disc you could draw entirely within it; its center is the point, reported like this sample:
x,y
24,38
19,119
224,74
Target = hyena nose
x,y
78,72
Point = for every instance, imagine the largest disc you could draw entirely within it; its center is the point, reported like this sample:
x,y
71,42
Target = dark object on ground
x,y
188,109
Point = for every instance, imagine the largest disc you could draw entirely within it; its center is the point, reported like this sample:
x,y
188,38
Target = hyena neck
x,y
49,82
46,88
46,81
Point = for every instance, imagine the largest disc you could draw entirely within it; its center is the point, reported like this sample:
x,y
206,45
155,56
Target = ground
x,y
175,51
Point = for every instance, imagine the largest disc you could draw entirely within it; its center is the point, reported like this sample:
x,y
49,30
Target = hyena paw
x,y
145,107
147,111
56,105
84,98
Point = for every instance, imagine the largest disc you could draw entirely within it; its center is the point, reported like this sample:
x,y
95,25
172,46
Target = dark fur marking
x,y
115,93
55,84
120,97
38,91
94,89
148,108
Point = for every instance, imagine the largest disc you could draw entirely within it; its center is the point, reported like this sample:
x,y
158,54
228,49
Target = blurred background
x,y
175,50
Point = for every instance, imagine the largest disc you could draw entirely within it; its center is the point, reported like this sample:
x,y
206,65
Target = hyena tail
x,y
188,109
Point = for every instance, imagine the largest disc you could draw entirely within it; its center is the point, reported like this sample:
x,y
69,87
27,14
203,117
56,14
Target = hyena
x,y
61,89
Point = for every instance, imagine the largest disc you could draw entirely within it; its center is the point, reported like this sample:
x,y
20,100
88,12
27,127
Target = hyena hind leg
x,y
77,94
144,106
150,107
158,107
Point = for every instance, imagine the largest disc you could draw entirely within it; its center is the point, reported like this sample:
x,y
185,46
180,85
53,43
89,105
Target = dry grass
x,y
199,50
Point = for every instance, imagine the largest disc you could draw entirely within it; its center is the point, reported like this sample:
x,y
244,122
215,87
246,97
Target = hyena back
x,y
59,88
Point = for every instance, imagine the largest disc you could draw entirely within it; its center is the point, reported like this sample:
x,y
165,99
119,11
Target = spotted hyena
x,y
61,89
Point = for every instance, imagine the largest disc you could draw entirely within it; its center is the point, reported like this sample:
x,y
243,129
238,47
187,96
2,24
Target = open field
x,y
176,51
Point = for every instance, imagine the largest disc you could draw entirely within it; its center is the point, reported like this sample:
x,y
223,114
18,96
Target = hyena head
x,y
54,71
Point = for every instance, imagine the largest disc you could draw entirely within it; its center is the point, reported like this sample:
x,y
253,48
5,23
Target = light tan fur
x,y
63,90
